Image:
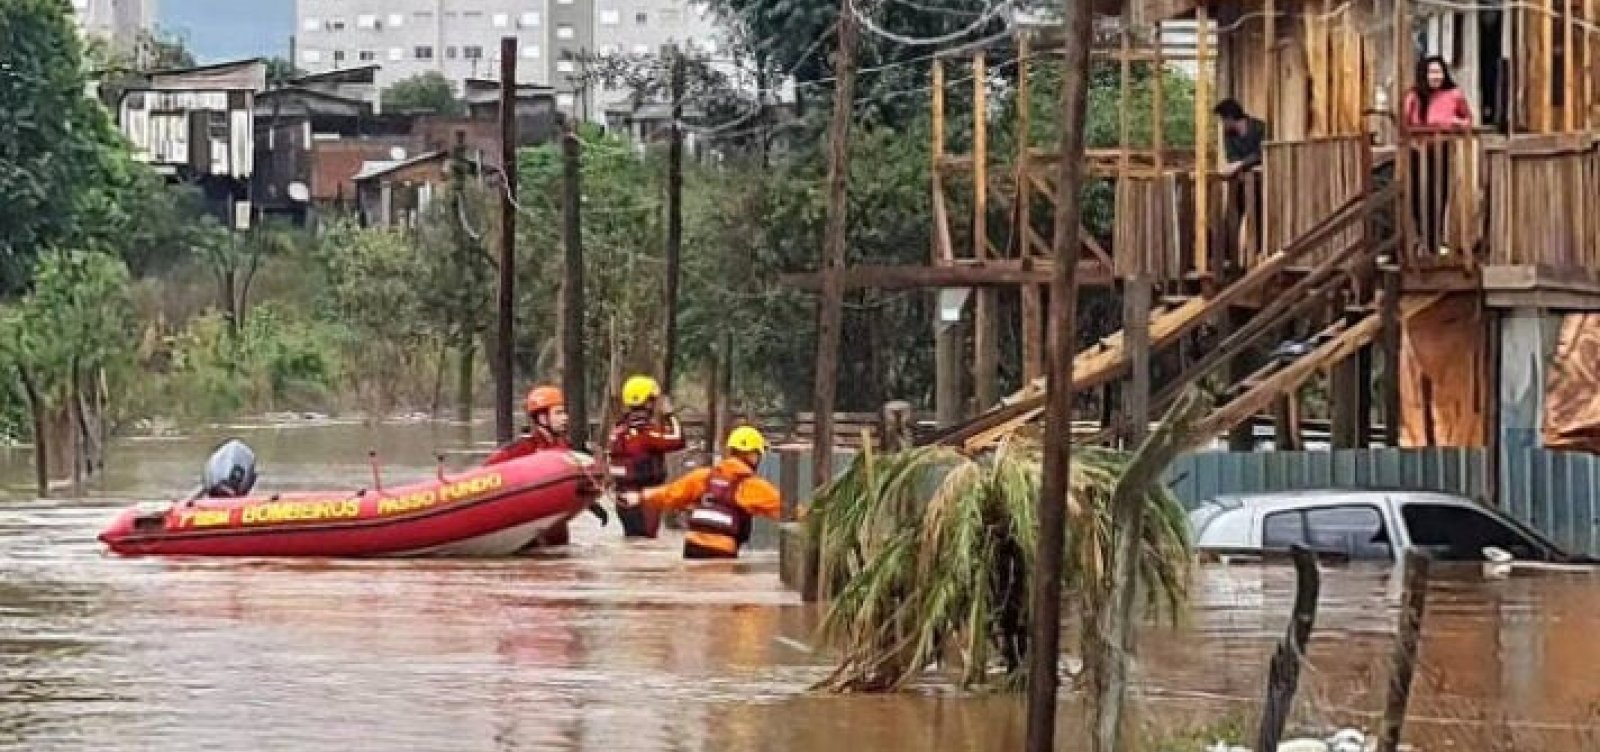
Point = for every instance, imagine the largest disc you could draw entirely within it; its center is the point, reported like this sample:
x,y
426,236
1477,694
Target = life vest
x,y
718,513
634,465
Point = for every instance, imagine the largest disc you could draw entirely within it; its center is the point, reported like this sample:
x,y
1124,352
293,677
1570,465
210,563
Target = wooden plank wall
x,y
1325,68
1146,237
1545,202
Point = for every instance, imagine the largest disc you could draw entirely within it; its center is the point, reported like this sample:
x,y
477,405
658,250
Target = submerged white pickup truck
x,y
1366,525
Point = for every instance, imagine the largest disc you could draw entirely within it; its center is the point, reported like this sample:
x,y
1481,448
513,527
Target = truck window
x,y
1356,531
1453,533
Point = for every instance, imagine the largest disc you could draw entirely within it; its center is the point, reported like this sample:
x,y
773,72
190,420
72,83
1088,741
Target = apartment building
x,y
461,38
118,21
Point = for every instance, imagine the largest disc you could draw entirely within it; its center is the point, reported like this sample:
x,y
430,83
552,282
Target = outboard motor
x,y
231,471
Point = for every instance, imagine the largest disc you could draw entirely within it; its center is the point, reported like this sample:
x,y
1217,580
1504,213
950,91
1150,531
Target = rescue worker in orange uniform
x,y
722,501
547,429
644,435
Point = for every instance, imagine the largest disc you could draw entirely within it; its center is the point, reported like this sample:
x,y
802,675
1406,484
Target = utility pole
x,y
574,374
506,308
674,217
830,318
1044,645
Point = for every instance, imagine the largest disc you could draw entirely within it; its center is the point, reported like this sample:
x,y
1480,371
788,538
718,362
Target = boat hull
x,y
488,511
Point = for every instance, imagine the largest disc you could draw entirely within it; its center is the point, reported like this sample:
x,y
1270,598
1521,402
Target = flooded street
x,y
619,646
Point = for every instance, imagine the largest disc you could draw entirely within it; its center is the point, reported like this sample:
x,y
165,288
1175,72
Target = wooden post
x,y
897,428
986,317
574,361
1136,327
946,337
1033,344
1569,73
1543,50
1591,67
833,246
1044,645
1413,606
1390,310
1401,39
1270,20
1203,136
674,221
1344,394
1283,674
507,300
1158,103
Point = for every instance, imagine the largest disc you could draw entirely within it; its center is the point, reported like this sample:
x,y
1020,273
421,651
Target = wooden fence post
x,y
1283,675
1413,604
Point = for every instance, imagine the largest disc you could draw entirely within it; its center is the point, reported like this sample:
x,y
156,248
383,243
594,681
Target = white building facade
x,y
117,21
461,38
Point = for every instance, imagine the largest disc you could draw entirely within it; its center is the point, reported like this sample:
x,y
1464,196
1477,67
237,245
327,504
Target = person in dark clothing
x,y
1242,137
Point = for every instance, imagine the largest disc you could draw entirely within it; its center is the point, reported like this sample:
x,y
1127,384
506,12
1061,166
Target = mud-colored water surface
x,y
613,645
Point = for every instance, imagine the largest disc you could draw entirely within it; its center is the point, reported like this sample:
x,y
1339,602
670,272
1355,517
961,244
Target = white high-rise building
x,y
461,38
119,21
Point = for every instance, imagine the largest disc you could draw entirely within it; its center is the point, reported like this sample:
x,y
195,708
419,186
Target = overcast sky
x,y
228,29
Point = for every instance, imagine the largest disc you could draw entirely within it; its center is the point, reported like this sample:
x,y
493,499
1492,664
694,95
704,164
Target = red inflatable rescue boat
x,y
486,511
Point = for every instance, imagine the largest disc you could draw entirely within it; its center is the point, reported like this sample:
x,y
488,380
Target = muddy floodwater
x,y
619,646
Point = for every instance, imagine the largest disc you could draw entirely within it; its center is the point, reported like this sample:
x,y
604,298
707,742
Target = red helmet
x,y
543,398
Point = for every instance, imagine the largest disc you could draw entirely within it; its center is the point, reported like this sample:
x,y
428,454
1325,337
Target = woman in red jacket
x,y
1434,104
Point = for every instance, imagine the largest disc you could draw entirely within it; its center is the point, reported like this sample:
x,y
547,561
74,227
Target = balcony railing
x,y
1545,201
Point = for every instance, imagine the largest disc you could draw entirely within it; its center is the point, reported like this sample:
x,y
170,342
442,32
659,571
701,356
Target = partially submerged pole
x,y
506,303
574,370
830,318
1413,605
1045,614
674,220
1283,674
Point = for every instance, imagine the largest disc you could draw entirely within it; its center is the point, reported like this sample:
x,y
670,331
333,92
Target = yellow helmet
x,y
747,439
638,390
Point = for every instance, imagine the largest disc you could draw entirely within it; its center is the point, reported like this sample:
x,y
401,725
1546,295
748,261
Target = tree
x,y
56,145
280,71
76,321
119,67
429,91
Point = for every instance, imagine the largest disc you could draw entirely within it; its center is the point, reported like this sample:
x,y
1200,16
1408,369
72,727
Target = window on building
x,y
563,2
501,20
397,54
529,19
450,53
336,24
367,21
472,52
641,18
397,20
312,24
564,100
608,49
641,49
426,15
311,56
668,16
367,56
422,52
566,66
610,18
531,51
472,14
565,32
338,56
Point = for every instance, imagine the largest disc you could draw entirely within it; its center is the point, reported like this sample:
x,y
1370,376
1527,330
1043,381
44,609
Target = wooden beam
x,y
993,274
986,313
1203,136
942,250
1570,103
1032,297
